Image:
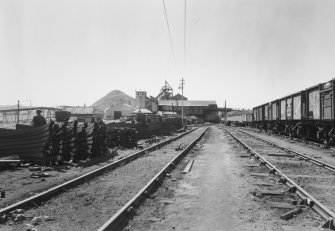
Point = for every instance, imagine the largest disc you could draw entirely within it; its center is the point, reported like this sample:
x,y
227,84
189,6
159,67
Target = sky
x,y
247,52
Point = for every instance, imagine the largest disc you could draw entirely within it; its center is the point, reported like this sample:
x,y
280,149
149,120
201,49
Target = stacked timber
x,y
72,142
89,131
57,135
68,141
29,144
98,140
81,143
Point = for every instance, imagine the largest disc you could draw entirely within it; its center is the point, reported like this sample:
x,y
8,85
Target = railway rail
x,y
114,222
327,214
99,188
295,139
289,150
72,183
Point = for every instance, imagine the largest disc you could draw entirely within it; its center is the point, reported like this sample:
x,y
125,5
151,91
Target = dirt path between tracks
x,y
218,194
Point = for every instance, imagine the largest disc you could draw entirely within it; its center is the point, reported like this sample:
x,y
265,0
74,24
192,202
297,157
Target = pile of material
x,y
98,140
121,137
54,143
169,125
29,144
72,141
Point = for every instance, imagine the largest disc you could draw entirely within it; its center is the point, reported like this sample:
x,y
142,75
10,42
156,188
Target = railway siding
x,y
19,185
310,177
88,206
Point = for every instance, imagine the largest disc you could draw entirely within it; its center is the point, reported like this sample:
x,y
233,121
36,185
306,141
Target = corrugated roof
x,y
188,103
80,110
142,110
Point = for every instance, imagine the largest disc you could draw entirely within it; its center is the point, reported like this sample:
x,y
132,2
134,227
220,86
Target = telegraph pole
x,y
182,99
225,108
18,111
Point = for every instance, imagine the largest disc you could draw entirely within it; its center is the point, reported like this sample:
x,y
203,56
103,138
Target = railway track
x,y
312,180
87,202
294,139
291,151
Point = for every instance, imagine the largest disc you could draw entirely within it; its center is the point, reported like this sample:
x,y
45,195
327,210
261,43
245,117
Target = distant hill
x,y
114,98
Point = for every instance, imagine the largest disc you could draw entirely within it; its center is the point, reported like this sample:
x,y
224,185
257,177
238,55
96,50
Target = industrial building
x,y
144,102
204,109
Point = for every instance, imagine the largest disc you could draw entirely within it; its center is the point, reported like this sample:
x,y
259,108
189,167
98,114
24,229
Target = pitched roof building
x,y
205,109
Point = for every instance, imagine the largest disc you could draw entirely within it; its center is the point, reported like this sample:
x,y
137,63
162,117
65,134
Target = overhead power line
x,y
185,38
167,23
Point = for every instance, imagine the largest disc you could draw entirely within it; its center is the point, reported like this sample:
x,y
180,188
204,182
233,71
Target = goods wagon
x,y
241,119
307,114
235,118
248,119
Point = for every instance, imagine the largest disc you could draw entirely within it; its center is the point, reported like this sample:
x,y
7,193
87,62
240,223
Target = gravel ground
x,y
326,155
317,181
18,183
89,205
218,194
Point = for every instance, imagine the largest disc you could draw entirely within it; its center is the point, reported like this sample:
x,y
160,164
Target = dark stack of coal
x,y
69,141
98,140
57,143
89,138
49,146
28,143
81,143
121,137
63,142
128,138
112,140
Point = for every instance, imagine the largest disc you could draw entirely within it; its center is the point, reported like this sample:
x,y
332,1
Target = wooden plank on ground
x,y
299,228
317,157
271,192
259,174
290,214
247,156
188,166
281,205
281,154
264,184
251,165
10,161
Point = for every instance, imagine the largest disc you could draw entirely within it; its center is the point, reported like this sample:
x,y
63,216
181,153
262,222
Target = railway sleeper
x,y
329,224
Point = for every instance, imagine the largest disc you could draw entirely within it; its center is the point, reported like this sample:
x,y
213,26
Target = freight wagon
x,y
245,119
308,114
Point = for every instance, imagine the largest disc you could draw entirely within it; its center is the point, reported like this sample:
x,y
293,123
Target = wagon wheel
x,y
291,135
326,142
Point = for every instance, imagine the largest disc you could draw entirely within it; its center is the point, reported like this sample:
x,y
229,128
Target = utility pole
x,y
29,109
225,114
18,111
182,100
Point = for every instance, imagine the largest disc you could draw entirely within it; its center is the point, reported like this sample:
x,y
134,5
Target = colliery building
x,y
204,109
